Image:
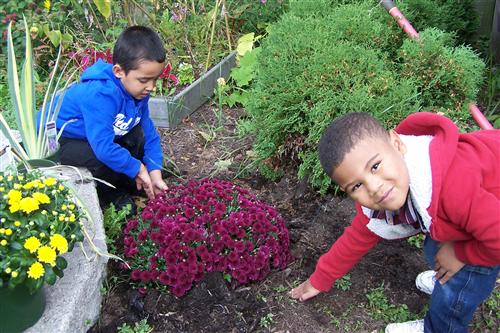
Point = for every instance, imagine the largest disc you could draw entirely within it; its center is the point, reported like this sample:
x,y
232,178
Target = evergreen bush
x,y
342,59
455,16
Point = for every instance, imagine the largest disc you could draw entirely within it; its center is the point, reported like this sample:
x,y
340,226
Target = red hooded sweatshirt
x,y
455,185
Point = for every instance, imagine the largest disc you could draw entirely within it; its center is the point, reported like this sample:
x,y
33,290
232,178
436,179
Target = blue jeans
x,y
454,303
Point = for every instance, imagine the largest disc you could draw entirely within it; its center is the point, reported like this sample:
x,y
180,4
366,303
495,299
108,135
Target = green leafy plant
x,y
491,312
185,73
267,320
22,91
344,283
417,240
113,223
139,327
243,74
381,309
39,222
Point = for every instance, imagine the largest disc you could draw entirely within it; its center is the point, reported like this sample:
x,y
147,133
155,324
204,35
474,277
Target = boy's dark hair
x,y
343,134
135,44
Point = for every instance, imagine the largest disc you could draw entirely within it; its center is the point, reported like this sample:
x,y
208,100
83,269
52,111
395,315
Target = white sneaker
x,y
425,281
416,326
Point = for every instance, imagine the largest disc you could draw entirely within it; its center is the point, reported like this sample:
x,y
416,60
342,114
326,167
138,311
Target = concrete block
x,y
74,301
169,111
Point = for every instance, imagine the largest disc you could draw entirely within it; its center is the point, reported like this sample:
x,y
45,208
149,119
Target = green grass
x,y
380,308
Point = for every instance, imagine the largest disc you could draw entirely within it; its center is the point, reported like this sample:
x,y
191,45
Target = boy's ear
x,y
118,71
333,179
396,142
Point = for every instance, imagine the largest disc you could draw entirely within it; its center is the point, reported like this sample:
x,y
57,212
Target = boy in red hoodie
x,y
423,177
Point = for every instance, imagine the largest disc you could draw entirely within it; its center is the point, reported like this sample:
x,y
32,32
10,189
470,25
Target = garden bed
x,y
380,290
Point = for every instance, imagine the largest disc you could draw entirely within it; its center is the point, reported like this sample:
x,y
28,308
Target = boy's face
x,y
140,82
374,173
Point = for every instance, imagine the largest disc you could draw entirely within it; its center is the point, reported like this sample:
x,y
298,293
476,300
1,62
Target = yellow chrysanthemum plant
x,y
40,220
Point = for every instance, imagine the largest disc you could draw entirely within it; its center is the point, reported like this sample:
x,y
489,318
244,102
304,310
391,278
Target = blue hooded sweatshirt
x,y
103,111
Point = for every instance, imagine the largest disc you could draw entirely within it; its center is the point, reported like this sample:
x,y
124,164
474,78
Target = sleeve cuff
x,y
320,282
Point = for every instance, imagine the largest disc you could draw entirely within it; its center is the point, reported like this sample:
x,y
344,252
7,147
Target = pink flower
x,y
204,226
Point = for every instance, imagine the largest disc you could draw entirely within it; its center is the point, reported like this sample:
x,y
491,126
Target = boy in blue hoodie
x,y
108,129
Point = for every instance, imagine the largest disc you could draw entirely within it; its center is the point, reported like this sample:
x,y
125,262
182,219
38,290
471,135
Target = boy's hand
x,y
158,184
304,291
447,263
143,181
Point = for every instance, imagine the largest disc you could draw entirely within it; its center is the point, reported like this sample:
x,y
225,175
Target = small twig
x,y
214,21
228,34
96,20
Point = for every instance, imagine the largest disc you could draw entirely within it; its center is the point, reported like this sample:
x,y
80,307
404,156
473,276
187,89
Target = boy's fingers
x,y
446,277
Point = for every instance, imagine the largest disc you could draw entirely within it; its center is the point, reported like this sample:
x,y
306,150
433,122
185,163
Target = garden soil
x,y
205,145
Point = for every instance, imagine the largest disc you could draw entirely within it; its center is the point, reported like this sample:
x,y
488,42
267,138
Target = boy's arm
x,y
153,156
100,134
354,243
477,211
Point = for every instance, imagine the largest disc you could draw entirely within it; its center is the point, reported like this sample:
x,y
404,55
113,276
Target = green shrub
x,y
457,16
314,68
447,77
255,15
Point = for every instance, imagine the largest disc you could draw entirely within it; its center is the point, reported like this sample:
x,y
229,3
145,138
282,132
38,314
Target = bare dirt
x,y
201,147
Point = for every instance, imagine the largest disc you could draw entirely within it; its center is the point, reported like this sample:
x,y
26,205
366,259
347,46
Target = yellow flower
x,y
17,186
221,82
3,242
64,207
42,235
49,181
14,207
9,178
41,197
71,206
28,204
36,271
1,178
2,188
46,5
14,195
20,177
8,270
8,232
47,255
29,185
32,244
2,231
60,243
61,217
61,187
17,223
72,218
14,274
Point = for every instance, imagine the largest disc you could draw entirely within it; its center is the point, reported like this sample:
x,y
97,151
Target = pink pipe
x,y
391,8
403,22
479,117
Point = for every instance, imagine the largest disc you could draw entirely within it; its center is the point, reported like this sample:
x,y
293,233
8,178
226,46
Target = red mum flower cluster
x,y
204,226
89,56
